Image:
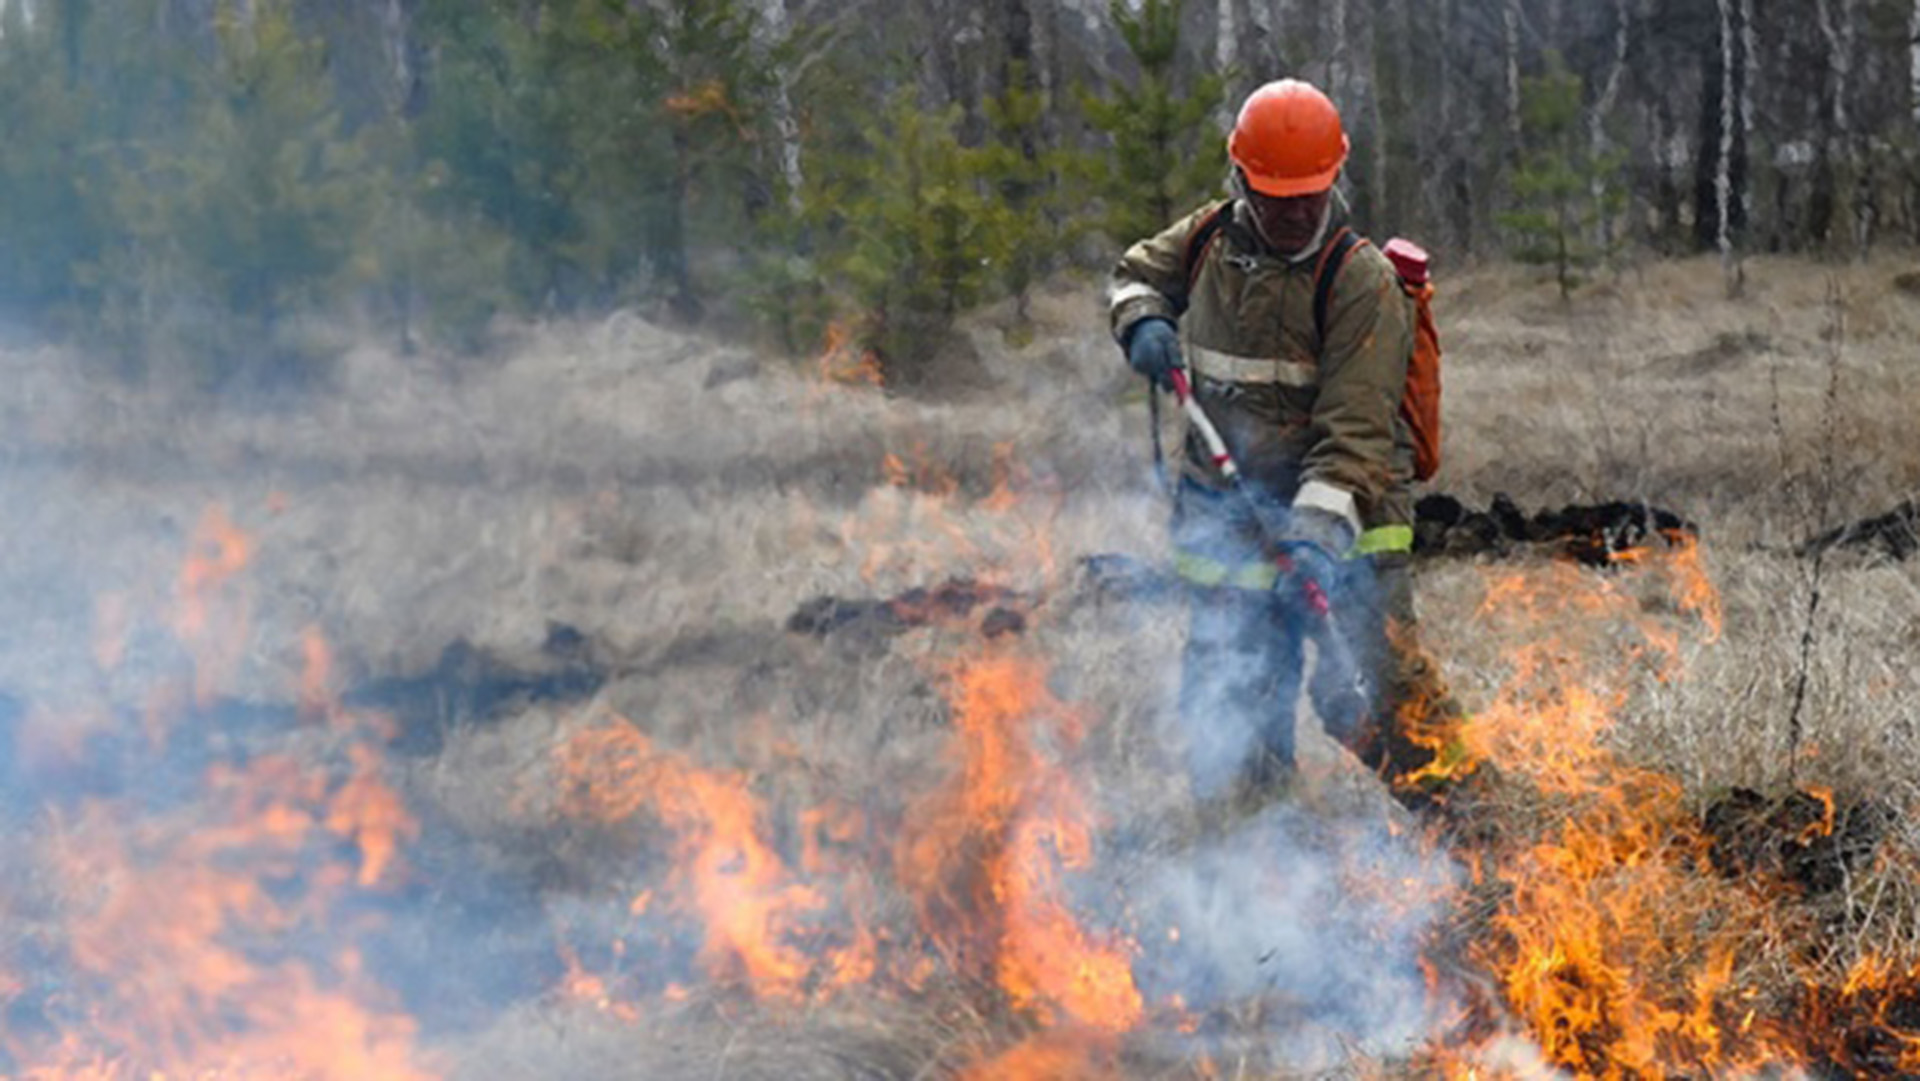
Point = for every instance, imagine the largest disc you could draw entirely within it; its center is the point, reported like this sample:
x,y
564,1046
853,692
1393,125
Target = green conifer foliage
x,y
604,138
241,218
1166,154
1557,180
912,230
50,225
495,137
1033,184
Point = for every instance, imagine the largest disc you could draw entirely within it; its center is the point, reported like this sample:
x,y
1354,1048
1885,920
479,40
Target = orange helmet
x,y
1288,140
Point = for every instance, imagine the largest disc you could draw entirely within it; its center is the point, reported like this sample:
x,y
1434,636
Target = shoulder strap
x,y
1203,238
1332,258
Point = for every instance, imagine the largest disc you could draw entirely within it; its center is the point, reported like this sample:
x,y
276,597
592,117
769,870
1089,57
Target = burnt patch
x,y
1895,533
951,603
470,684
1595,534
1804,837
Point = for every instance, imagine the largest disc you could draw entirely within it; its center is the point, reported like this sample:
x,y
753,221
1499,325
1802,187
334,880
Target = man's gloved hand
x,y
1153,350
1315,540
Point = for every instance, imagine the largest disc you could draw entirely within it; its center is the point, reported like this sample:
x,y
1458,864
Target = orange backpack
x,y
1420,402
1420,405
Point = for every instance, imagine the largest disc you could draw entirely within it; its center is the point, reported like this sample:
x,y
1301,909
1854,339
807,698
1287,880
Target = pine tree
x,y
495,139
1557,178
244,216
1031,182
1165,151
52,228
911,230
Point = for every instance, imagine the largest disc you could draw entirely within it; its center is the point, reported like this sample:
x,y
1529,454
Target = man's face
x,y
1288,224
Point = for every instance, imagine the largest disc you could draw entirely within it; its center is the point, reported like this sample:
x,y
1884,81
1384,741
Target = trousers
x,y
1244,667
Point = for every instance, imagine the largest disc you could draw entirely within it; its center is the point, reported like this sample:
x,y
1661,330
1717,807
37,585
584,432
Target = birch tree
x,y
1749,77
1339,53
1510,15
1723,173
770,33
1226,57
1838,28
1602,110
1913,65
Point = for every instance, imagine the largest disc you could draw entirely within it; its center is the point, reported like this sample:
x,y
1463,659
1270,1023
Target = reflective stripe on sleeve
x,y
1228,368
1203,571
1385,540
1132,291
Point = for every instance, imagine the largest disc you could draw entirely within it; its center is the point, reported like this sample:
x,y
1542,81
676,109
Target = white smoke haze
x,y
1316,922
641,511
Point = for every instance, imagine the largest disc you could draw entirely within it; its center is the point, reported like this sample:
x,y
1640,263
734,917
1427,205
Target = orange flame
x,y
172,946
158,909
211,617
752,910
1615,943
983,857
841,361
1058,1055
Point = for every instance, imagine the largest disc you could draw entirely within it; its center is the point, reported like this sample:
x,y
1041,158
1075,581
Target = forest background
x,y
230,191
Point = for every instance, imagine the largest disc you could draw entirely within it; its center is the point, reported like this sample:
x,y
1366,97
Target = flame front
x,y
984,856
752,909
199,935
1616,945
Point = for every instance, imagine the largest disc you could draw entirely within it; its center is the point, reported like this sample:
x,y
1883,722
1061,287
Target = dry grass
x,y
674,501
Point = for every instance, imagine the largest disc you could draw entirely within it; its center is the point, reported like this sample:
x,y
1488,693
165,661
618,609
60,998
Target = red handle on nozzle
x,y
1182,389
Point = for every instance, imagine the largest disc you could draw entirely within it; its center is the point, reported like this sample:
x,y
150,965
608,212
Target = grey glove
x,y
1153,350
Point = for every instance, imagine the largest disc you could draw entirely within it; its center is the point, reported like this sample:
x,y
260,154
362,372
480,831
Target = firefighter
x,y
1297,340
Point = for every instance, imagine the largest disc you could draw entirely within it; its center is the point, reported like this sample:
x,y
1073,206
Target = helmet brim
x,y
1288,187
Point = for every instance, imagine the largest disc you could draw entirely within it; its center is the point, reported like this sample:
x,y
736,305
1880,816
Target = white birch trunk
x,y
1723,169
1512,18
1337,62
1839,60
1749,77
1376,112
774,27
1227,38
1225,55
1913,64
1840,34
394,34
1597,125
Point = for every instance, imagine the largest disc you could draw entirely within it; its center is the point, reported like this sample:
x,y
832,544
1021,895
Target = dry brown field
x,y
448,722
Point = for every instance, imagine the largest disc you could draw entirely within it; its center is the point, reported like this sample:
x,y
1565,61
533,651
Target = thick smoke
x,y
1316,921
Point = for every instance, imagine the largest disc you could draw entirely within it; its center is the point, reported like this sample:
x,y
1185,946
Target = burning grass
x,y
940,852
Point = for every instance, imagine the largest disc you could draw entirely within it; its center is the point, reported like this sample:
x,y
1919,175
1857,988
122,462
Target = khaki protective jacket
x,y
1311,423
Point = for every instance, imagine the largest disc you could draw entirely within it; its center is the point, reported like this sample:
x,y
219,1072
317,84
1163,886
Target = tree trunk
x,y
1749,77
1597,126
1720,173
1667,190
1839,138
1913,66
1339,57
1226,58
1913,104
1723,170
1381,213
1511,18
1456,167
774,29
